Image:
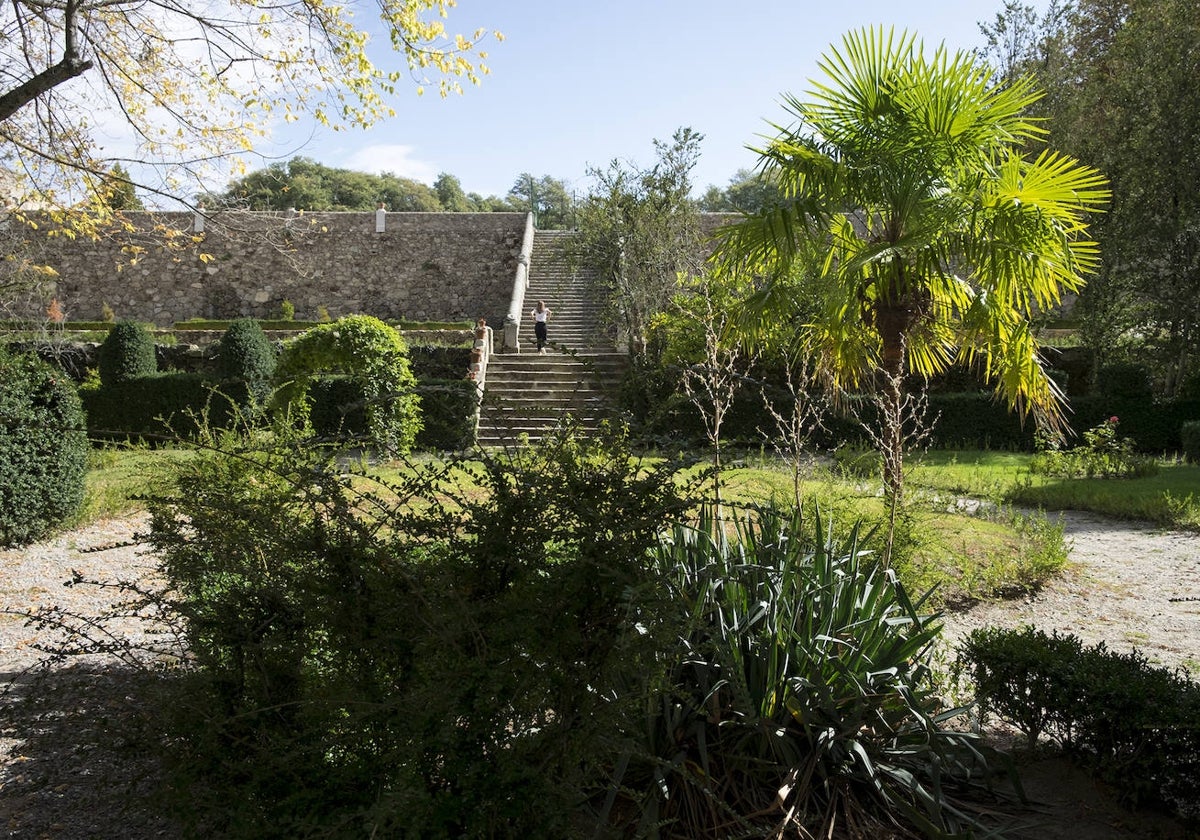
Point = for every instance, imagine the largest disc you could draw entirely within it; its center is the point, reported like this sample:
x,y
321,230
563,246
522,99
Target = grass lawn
x,y
1170,498
965,554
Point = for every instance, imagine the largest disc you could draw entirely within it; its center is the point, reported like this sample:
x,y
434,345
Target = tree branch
x,y
72,65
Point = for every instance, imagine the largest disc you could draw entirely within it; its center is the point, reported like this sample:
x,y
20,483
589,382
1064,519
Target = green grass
x,y
1170,498
120,478
982,554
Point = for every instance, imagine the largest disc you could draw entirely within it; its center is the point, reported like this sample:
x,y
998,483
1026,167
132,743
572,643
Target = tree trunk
x,y
893,323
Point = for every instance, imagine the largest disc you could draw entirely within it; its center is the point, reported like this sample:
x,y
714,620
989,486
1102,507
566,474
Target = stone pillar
x,y
381,218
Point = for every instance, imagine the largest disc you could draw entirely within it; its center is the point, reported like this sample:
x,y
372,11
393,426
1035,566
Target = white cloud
x,y
394,158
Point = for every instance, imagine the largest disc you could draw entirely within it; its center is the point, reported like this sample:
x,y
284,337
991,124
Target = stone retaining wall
x,y
421,266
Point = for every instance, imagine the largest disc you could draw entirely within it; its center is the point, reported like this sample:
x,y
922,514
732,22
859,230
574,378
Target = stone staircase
x,y
528,393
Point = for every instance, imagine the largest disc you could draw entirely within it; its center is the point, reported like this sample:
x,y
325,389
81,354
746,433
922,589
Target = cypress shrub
x,y
127,353
43,449
245,357
245,353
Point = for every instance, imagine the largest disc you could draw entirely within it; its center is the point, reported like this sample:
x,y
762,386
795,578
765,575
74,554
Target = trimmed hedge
x,y
43,449
1136,723
160,408
1190,439
436,361
448,409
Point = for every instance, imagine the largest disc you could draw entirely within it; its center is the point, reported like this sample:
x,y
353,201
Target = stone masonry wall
x,y
423,266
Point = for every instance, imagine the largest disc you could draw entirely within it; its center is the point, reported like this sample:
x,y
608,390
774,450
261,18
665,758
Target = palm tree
x,y
914,228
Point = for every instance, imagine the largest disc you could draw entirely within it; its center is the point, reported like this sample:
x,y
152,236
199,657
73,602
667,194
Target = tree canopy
x,y
1122,96
198,85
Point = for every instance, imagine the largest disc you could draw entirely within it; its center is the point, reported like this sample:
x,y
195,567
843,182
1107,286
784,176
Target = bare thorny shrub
x,y
796,416
712,383
900,424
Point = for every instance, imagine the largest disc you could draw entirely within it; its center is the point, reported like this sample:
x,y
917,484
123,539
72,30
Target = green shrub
x,y
160,408
800,698
1190,438
127,353
43,449
447,665
337,407
245,353
435,361
448,414
1124,381
1136,724
1102,454
371,353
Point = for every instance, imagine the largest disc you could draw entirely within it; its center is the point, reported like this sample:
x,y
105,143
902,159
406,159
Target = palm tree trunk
x,y
893,323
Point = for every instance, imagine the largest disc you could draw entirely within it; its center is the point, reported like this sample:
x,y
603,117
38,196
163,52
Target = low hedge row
x,y
974,420
1136,724
161,407
167,406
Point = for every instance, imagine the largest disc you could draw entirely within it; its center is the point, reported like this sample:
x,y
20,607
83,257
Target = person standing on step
x,y
541,314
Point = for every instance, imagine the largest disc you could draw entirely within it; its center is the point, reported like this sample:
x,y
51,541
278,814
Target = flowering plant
x,y
1102,454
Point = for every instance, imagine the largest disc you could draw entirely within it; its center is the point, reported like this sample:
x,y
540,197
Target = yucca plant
x,y
801,703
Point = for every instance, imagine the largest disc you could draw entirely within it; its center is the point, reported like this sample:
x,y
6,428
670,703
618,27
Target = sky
x,y
578,84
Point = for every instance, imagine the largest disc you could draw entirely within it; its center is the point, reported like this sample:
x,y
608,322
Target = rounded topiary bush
x,y
43,448
245,352
127,353
246,358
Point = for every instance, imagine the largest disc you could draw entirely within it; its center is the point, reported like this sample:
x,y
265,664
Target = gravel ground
x,y
69,767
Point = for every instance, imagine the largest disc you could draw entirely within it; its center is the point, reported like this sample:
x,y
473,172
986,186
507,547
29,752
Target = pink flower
x,y
1114,420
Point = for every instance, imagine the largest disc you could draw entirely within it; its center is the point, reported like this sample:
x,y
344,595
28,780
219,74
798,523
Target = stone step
x,y
529,393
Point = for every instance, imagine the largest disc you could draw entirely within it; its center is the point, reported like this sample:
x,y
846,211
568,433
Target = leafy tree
x,y
450,195
118,192
546,197
639,229
307,185
1120,76
748,192
197,84
922,232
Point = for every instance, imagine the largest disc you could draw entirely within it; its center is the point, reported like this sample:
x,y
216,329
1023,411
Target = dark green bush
x,y
337,407
127,353
448,411
435,361
160,408
1190,439
43,448
1136,724
445,665
245,353
1124,381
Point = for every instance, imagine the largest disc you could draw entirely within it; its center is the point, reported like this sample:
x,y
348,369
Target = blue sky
x,y
576,84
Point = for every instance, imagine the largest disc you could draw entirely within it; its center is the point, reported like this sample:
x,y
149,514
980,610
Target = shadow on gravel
x,y
78,754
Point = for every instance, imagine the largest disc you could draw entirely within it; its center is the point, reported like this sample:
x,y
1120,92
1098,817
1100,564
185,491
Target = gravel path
x,y
68,770
1130,585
